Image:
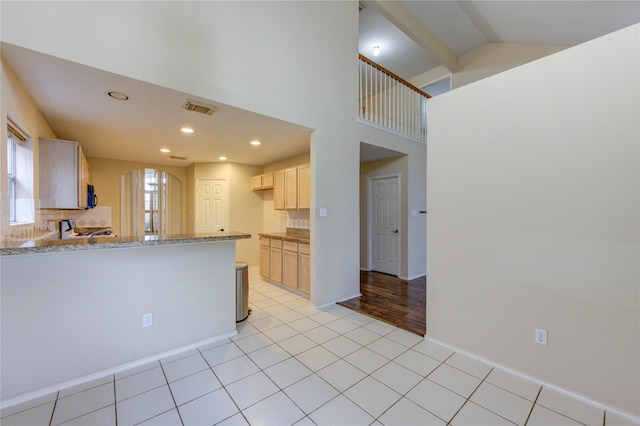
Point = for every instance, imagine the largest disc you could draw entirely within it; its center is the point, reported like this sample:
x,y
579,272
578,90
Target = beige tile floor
x,y
291,364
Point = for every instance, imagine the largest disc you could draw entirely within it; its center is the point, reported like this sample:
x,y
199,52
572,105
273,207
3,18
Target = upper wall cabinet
x,y
260,182
295,189
291,187
304,187
64,175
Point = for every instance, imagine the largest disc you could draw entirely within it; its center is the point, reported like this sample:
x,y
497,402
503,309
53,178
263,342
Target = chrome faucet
x,y
105,231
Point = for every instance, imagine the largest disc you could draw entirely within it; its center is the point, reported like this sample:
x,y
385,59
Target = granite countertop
x,y
292,234
8,248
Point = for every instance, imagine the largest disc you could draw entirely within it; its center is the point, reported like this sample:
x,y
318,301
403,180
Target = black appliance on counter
x,y
92,198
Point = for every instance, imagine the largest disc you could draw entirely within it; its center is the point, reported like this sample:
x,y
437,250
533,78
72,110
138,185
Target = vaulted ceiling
x,y
414,36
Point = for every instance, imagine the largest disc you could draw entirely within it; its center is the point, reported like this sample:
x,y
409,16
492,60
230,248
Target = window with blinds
x,y
16,142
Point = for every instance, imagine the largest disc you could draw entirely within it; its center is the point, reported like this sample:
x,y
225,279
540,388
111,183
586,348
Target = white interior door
x,y
385,229
211,205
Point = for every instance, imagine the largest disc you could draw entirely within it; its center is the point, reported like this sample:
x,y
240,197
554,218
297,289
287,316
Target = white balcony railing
x,y
388,101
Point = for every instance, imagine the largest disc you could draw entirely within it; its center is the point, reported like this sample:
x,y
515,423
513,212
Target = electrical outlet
x,y
541,336
147,320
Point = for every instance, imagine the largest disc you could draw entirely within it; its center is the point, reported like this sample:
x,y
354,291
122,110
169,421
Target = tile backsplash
x,y
47,223
97,217
298,219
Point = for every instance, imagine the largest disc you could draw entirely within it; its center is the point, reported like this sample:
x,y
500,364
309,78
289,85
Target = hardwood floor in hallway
x,y
390,299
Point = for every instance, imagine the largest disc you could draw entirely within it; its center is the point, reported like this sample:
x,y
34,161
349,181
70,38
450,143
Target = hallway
x,y
390,299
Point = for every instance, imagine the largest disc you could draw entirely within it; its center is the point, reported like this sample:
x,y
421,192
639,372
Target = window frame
x,y
18,150
11,177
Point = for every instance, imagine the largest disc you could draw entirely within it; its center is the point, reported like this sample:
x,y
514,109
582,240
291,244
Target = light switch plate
x,y
323,212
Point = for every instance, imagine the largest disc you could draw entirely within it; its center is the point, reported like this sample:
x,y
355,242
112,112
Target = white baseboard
x,y
107,372
579,397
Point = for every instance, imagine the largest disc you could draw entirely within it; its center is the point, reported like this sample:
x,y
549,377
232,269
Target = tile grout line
x,y
468,399
173,398
55,404
223,386
115,402
533,406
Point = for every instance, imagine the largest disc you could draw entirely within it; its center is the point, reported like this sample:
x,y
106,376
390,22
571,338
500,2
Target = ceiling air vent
x,y
200,107
175,157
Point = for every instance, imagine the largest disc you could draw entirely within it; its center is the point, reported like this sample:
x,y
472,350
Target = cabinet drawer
x,y
276,243
264,241
290,246
304,248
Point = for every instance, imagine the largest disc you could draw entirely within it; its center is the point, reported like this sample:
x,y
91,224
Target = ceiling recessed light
x,y
165,150
186,130
222,157
255,142
376,50
117,95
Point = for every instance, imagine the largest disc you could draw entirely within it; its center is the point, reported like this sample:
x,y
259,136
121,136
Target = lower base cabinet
x,y
275,262
264,257
290,264
304,268
286,262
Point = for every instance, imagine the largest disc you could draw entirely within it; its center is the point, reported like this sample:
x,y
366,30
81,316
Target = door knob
x,y
395,232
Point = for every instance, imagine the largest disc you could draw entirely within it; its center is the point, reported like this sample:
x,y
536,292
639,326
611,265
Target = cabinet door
x,y
304,187
304,272
278,190
267,181
264,261
84,179
275,264
58,174
291,188
256,183
290,268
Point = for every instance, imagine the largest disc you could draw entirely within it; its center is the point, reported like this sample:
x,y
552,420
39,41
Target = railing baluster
x,y
389,101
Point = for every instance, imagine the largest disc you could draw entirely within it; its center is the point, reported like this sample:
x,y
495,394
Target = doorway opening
x,y
384,224
211,205
385,192
150,203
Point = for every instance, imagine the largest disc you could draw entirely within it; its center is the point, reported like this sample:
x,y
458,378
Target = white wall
x,y
245,212
74,314
533,183
259,56
414,192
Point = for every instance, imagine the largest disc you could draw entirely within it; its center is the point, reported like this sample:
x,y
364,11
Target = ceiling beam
x,y
398,14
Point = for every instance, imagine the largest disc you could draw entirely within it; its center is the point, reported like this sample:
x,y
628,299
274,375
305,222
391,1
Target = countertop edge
x,y
84,244
284,237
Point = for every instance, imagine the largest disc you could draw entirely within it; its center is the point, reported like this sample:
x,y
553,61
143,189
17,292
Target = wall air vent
x,y
200,107
175,157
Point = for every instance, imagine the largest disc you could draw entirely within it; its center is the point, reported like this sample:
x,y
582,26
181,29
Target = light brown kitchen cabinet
x,y
265,256
304,268
64,175
291,188
278,190
286,262
261,182
290,264
304,187
275,260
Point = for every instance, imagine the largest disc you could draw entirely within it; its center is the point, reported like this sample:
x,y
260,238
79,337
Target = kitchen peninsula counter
x,y
8,248
82,302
